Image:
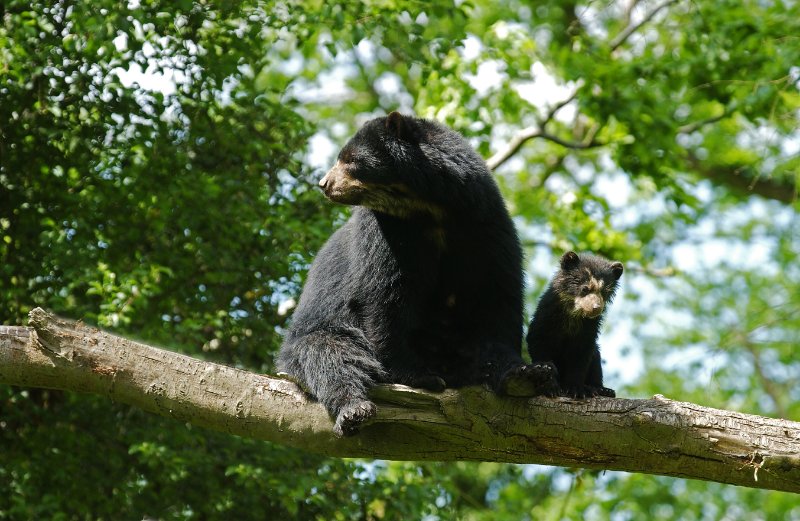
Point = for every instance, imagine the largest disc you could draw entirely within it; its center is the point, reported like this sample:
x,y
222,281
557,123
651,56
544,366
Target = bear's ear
x,y
569,260
398,125
616,269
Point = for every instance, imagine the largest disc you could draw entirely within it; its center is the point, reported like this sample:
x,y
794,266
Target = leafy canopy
x,y
156,178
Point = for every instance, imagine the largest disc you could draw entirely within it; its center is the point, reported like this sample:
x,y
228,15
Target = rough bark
x,y
657,436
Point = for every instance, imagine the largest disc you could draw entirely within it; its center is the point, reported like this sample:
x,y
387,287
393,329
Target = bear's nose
x,y
329,179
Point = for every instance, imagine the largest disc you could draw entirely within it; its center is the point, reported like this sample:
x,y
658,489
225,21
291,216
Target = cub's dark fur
x,y
566,324
421,286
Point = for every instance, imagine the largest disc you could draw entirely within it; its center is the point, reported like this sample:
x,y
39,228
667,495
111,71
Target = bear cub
x,y
567,321
421,286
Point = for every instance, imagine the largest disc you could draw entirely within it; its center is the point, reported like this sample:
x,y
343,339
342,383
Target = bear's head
x,y
382,168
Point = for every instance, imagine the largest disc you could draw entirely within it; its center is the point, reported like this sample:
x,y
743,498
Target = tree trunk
x,y
657,436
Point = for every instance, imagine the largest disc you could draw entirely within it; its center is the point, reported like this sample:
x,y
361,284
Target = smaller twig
x,y
631,28
767,383
591,134
560,105
568,495
697,125
551,169
590,143
755,464
629,11
512,147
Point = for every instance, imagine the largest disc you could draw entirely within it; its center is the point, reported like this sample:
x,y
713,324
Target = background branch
x,y
738,180
516,142
657,436
560,105
697,125
528,133
631,28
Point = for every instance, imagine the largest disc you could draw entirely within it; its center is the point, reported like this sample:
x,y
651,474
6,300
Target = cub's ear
x,y
616,269
398,125
569,260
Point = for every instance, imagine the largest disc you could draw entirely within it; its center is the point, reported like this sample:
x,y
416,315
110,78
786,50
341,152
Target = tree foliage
x,y
156,178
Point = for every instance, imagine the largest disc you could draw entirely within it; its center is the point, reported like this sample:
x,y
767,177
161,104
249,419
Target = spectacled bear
x,y
566,324
421,286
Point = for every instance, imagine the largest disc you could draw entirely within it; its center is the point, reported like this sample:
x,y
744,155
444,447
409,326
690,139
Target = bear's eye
x,y
584,291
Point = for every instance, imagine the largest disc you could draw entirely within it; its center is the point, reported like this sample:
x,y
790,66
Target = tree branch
x,y
657,436
697,125
512,147
769,385
735,179
526,134
628,15
631,28
560,105
529,133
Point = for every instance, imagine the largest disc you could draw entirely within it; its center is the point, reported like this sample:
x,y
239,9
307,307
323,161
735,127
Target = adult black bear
x,y
421,286
566,324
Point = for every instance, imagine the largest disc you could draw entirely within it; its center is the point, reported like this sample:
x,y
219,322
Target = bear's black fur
x,y
567,321
421,286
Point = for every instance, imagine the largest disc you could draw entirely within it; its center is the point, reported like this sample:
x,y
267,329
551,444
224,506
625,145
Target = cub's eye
x,y
584,291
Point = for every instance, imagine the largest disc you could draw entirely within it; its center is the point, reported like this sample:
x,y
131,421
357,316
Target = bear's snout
x,y
341,187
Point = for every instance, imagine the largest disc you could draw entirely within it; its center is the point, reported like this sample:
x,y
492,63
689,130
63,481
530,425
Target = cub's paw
x,y
530,380
352,415
588,391
576,391
605,391
429,382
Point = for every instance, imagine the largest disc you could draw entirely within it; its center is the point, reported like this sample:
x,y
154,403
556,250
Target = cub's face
x,y
586,284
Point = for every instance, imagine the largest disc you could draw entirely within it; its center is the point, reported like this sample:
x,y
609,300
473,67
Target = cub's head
x,y
585,284
378,169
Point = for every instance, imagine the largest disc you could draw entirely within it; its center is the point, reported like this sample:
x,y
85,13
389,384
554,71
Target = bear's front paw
x,y
352,415
530,380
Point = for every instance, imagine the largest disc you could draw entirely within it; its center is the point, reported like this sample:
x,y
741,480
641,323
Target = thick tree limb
x,y
657,436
